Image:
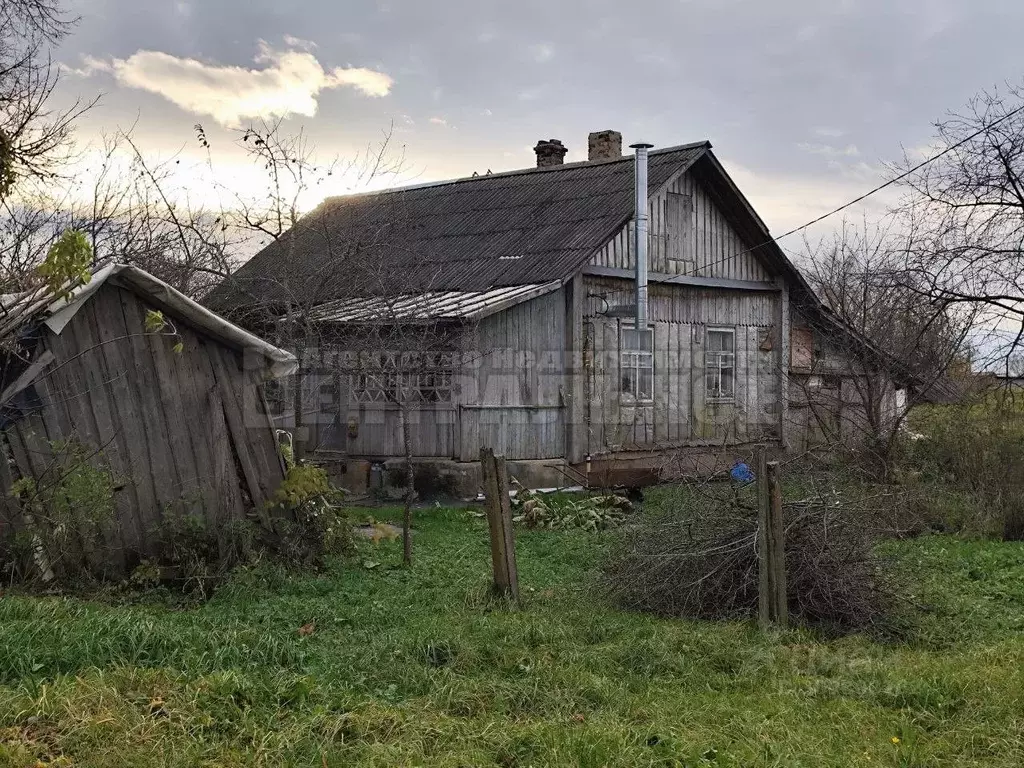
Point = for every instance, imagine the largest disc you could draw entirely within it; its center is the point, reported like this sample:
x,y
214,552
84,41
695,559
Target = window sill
x,y
629,402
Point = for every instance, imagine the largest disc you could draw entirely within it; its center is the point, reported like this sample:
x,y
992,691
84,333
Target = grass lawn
x,y
415,667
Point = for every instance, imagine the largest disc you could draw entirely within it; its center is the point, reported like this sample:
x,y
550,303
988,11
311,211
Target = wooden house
x,y
527,279
169,405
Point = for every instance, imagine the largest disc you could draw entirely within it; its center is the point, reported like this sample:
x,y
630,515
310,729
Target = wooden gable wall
x,y
689,235
727,286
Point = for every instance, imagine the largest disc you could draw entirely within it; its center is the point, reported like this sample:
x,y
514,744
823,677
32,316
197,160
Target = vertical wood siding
x,y
182,433
680,412
688,235
512,402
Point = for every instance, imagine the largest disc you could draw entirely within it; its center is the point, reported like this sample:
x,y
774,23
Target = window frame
x,y
635,366
720,354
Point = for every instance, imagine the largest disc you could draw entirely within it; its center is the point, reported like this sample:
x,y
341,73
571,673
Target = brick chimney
x,y
550,152
604,145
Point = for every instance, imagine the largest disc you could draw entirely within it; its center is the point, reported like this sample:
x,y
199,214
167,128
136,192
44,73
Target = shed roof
x,y
429,306
57,313
525,227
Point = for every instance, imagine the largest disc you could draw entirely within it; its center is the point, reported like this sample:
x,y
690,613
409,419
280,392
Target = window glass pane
x,y
636,362
720,340
728,381
646,377
629,380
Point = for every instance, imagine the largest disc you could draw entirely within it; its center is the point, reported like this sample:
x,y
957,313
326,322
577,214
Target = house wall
x,y
180,432
335,420
689,235
507,389
830,392
681,413
513,382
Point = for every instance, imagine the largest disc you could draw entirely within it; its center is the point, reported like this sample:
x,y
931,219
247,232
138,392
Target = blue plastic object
x,y
742,473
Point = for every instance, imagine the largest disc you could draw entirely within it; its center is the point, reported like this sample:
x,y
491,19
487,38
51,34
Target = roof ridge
x,y
514,172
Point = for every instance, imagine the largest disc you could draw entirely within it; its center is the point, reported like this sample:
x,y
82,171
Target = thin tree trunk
x,y
410,489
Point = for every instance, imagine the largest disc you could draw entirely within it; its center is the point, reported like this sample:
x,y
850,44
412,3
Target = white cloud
x,y
438,121
297,42
828,150
542,52
288,83
829,133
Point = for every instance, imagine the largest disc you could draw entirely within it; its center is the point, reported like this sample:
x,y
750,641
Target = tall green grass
x,y
420,667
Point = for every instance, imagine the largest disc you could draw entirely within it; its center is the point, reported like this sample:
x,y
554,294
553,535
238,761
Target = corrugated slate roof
x,y
428,306
518,228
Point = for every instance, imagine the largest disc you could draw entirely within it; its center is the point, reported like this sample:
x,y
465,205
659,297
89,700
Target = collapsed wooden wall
x,y
181,432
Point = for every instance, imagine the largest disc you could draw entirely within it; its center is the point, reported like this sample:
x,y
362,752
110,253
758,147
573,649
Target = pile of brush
x,y
701,561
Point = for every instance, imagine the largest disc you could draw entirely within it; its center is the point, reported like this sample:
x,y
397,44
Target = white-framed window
x,y
636,362
720,364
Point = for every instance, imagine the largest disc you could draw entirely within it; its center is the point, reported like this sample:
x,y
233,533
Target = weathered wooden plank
x,y
229,485
205,475
94,341
764,597
248,462
161,469
499,520
783,362
10,509
103,549
130,450
776,532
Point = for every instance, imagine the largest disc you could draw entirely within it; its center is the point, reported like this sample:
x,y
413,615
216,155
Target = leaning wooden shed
x,y
169,405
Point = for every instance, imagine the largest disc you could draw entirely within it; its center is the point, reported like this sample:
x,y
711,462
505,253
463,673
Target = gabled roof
x,y
505,229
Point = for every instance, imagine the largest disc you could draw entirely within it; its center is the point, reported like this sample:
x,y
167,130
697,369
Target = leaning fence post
x,y
777,548
499,523
764,611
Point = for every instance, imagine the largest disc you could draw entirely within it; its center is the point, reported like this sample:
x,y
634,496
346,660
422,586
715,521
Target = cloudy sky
x,y
802,99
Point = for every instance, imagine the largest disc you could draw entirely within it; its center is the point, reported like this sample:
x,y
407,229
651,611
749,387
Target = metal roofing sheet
x,y
430,306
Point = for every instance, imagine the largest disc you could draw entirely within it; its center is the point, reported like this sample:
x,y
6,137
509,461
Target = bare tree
x,y
32,133
883,347
128,214
376,349
966,212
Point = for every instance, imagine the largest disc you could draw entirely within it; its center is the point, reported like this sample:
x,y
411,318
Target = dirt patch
x,y
378,531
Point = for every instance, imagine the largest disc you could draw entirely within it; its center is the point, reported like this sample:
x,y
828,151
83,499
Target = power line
x,y
861,198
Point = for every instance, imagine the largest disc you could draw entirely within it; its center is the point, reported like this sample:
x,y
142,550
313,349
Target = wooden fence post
x,y
772,604
777,548
499,523
764,611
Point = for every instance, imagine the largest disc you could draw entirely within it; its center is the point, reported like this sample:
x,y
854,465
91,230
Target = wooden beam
x,y
784,359
575,437
776,535
27,376
764,602
685,280
499,521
